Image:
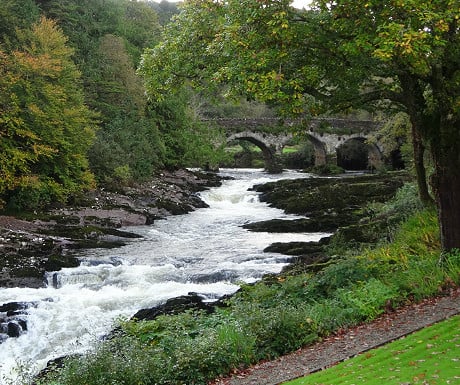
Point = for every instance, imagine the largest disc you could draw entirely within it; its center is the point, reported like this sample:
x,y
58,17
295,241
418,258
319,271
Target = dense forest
x,y
73,110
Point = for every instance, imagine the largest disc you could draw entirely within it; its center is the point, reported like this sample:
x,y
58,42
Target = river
x,y
206,251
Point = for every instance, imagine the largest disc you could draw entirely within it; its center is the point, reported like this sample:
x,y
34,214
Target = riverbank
x,y
33,244
349,343
275,316
340,205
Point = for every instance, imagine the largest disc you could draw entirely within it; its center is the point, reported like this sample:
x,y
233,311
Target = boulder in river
x,y
13,319
174,306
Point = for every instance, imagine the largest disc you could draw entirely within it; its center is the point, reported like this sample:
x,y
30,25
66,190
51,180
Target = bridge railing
x,y
338,126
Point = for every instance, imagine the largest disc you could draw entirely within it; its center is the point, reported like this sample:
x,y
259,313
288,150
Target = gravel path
x,y
349,343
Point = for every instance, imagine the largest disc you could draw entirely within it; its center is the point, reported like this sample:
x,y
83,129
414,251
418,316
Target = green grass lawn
x,y
429,357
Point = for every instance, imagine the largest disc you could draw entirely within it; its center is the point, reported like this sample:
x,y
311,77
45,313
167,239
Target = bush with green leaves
x,y
126,150
277,329
405,203
368,298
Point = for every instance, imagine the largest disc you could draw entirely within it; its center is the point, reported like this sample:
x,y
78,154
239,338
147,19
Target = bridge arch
x,y
365,155
269,151
271,135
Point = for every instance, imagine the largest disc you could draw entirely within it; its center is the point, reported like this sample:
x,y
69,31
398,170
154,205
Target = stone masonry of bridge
x,y
271,135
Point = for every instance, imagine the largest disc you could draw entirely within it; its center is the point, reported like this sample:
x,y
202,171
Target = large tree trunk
x,y
448,201
446,183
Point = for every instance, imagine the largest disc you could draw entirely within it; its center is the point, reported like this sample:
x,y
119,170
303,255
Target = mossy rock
x,y
367,232
27,272
57,262
312,196
307,264
327,222
298,248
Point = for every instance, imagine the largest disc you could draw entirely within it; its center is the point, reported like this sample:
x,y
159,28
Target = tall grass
x,y
272,317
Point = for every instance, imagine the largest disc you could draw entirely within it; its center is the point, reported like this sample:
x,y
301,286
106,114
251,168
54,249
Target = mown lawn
x,y
429,357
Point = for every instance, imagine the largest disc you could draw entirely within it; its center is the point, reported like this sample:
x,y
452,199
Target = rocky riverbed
x,y
32,244
331,204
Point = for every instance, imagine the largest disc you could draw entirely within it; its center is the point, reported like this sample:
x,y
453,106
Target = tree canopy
x,y
46,129
401,55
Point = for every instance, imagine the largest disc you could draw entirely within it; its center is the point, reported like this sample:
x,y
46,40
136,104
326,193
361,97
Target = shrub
x,y
406,202
368,298
420,279
327,169
331,315
123,174
342,274
202,358
36,193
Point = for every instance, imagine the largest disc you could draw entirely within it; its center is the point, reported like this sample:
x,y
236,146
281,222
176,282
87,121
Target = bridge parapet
x,y
337,126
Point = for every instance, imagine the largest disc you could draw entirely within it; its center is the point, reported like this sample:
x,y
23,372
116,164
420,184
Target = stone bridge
x,y
272,134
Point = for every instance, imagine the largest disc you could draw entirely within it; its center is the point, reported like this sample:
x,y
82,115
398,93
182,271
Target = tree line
x,y
73,111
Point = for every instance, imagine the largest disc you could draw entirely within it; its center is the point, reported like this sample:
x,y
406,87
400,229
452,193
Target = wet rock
x,y
308,256
13,321
298,248
314,197
218,276
57,262
23,324
13,308
174,306
332,205
14,329
329,203
308,225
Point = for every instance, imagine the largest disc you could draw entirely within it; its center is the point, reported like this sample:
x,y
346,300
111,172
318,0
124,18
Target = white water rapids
x,y
206,252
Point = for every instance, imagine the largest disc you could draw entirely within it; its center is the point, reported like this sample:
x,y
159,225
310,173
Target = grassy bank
x,y
429,356
277,315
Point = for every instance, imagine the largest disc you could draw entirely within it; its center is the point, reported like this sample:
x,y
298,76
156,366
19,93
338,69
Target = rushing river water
x,y
206,252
